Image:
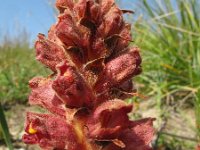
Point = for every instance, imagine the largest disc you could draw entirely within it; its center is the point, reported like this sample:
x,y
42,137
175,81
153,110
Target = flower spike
x,y
93,65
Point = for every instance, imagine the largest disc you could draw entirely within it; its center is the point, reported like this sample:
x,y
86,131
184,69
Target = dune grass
x,y
17,67
169,36
4,131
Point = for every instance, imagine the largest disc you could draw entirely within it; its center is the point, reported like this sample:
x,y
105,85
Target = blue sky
x,y
32,15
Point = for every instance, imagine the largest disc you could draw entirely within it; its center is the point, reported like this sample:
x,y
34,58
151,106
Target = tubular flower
x,y
88,52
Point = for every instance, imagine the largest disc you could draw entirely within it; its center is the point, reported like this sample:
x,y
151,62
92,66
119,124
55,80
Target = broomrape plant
x,y
92,64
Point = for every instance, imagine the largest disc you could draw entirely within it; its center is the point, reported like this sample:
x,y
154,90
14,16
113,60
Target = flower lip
x,y
30,139
105,122
31,130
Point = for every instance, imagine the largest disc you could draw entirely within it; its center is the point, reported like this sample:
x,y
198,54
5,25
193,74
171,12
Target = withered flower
x,y
92,63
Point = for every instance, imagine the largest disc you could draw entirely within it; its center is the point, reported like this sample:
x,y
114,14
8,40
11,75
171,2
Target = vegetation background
x,y
168,33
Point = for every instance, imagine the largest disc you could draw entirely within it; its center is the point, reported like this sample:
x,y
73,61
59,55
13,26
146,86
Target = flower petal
x,y
111,23
87,9
43,95
124,40
106,5
108,120
52,132
48,52
138,137
70,33
64,4
71,87
119,70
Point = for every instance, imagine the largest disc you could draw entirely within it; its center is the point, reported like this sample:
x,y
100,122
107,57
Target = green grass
x,y
4,129
169,36
17,67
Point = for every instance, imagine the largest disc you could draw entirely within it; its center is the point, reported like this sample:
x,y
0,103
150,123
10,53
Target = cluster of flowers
x,y
92,63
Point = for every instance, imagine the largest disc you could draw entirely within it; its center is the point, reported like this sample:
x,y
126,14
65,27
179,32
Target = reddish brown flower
x,y
87,50
71,87
48,52
137,137
43,95
50,132
105,123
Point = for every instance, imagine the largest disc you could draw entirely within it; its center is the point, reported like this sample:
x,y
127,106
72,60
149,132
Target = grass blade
x,y
4,128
